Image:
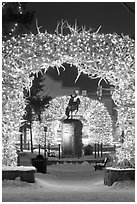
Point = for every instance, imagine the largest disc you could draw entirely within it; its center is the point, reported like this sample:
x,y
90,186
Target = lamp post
x,y
99,92
59,151
45,130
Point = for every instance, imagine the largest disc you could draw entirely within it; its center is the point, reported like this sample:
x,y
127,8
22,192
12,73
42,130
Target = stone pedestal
x,y
72,138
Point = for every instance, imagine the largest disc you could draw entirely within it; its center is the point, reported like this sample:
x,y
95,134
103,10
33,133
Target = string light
x,y
13,29
104,56
20,8
3,4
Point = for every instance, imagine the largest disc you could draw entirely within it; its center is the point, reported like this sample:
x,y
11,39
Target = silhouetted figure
x,y
72,105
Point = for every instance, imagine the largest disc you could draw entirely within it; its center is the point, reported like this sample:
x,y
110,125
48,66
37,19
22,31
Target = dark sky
x,y
112,16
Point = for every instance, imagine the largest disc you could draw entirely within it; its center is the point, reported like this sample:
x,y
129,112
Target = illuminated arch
x,y
106,56
91,112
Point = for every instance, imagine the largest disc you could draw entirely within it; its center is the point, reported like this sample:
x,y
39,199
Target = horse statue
x,y
73,105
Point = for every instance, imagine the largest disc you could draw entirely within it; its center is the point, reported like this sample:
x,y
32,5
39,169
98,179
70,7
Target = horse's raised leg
x,y
71,114
67,112
76,110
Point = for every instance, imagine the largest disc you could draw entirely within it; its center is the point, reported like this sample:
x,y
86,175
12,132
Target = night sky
x,y
112,16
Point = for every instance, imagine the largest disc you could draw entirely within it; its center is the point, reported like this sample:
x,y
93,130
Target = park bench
x,y
25,173
112,175
100,165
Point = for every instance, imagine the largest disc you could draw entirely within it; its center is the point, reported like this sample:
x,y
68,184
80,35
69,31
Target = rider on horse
x,y
73,104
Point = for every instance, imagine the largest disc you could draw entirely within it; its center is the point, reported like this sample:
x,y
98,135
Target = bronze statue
x,y
73,104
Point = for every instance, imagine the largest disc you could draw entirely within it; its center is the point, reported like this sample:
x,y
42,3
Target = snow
x,y
18,168
119,169
68,183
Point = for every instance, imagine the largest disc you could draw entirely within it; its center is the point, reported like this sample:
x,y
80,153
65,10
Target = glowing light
x,y
105,56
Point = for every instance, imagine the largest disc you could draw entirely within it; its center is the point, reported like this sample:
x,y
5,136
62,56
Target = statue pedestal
x,y
72,138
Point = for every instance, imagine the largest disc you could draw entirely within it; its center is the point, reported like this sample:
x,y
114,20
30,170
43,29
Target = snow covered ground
x,y
68,183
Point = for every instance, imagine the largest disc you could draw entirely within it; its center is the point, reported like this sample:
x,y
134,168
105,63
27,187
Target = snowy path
x,y
68,183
